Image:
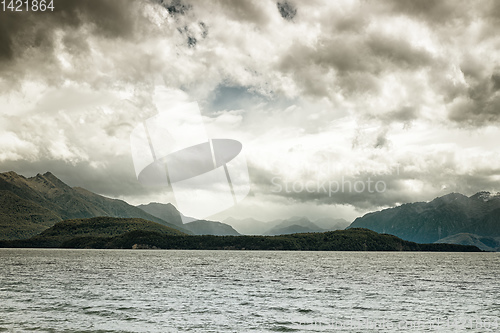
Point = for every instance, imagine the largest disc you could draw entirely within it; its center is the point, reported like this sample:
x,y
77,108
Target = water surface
x,y
49,290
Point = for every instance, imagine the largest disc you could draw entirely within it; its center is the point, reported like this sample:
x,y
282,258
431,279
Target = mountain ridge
x,y
105,226
62,201
427,222
197,227
294,224
28,206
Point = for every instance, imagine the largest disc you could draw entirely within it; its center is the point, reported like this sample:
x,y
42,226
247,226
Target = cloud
x,y
434,12
287,10
244,11
417,175
370,85
45,47
175,7
27,29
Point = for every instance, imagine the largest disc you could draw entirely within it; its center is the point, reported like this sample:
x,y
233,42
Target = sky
x,y
342,107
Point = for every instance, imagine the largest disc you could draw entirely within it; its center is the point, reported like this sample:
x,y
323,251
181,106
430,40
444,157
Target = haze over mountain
x,y
292,225
330,223
295,224
426,222
168,212
31,205
248,226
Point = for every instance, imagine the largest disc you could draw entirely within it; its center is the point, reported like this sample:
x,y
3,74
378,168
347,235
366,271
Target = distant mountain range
x,y
291,225
451,218
29,206
168,212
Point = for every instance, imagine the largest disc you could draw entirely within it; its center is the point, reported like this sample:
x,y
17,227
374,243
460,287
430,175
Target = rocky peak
x,y
10,175
47,181
485,196
449,198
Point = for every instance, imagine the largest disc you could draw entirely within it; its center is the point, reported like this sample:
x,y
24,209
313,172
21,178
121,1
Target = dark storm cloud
x,y
190,38
375,81
6,52
357,60
398,52
476,103
75,44
174,7
472,67
496,81
480,105
54,47
406,114
439,12
354,56
492,11
350,23
350,47
382,140
242,11
27,30
287,10
359,191
372,189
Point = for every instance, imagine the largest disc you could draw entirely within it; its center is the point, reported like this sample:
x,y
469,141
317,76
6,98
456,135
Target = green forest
x,y
121,233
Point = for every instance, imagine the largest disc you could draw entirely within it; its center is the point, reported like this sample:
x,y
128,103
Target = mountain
x,y
31,205
340,240
203,227
96,227
484,243
248,226
168,212
329,223
427,222
291,229
294,224
20,218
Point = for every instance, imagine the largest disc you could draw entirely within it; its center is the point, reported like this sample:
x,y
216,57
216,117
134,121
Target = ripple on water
x,y
238,291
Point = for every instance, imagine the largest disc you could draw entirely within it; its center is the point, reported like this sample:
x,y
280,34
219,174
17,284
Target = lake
x,y
53,290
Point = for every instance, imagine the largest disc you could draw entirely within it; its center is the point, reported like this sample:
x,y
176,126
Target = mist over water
x,y
48,290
